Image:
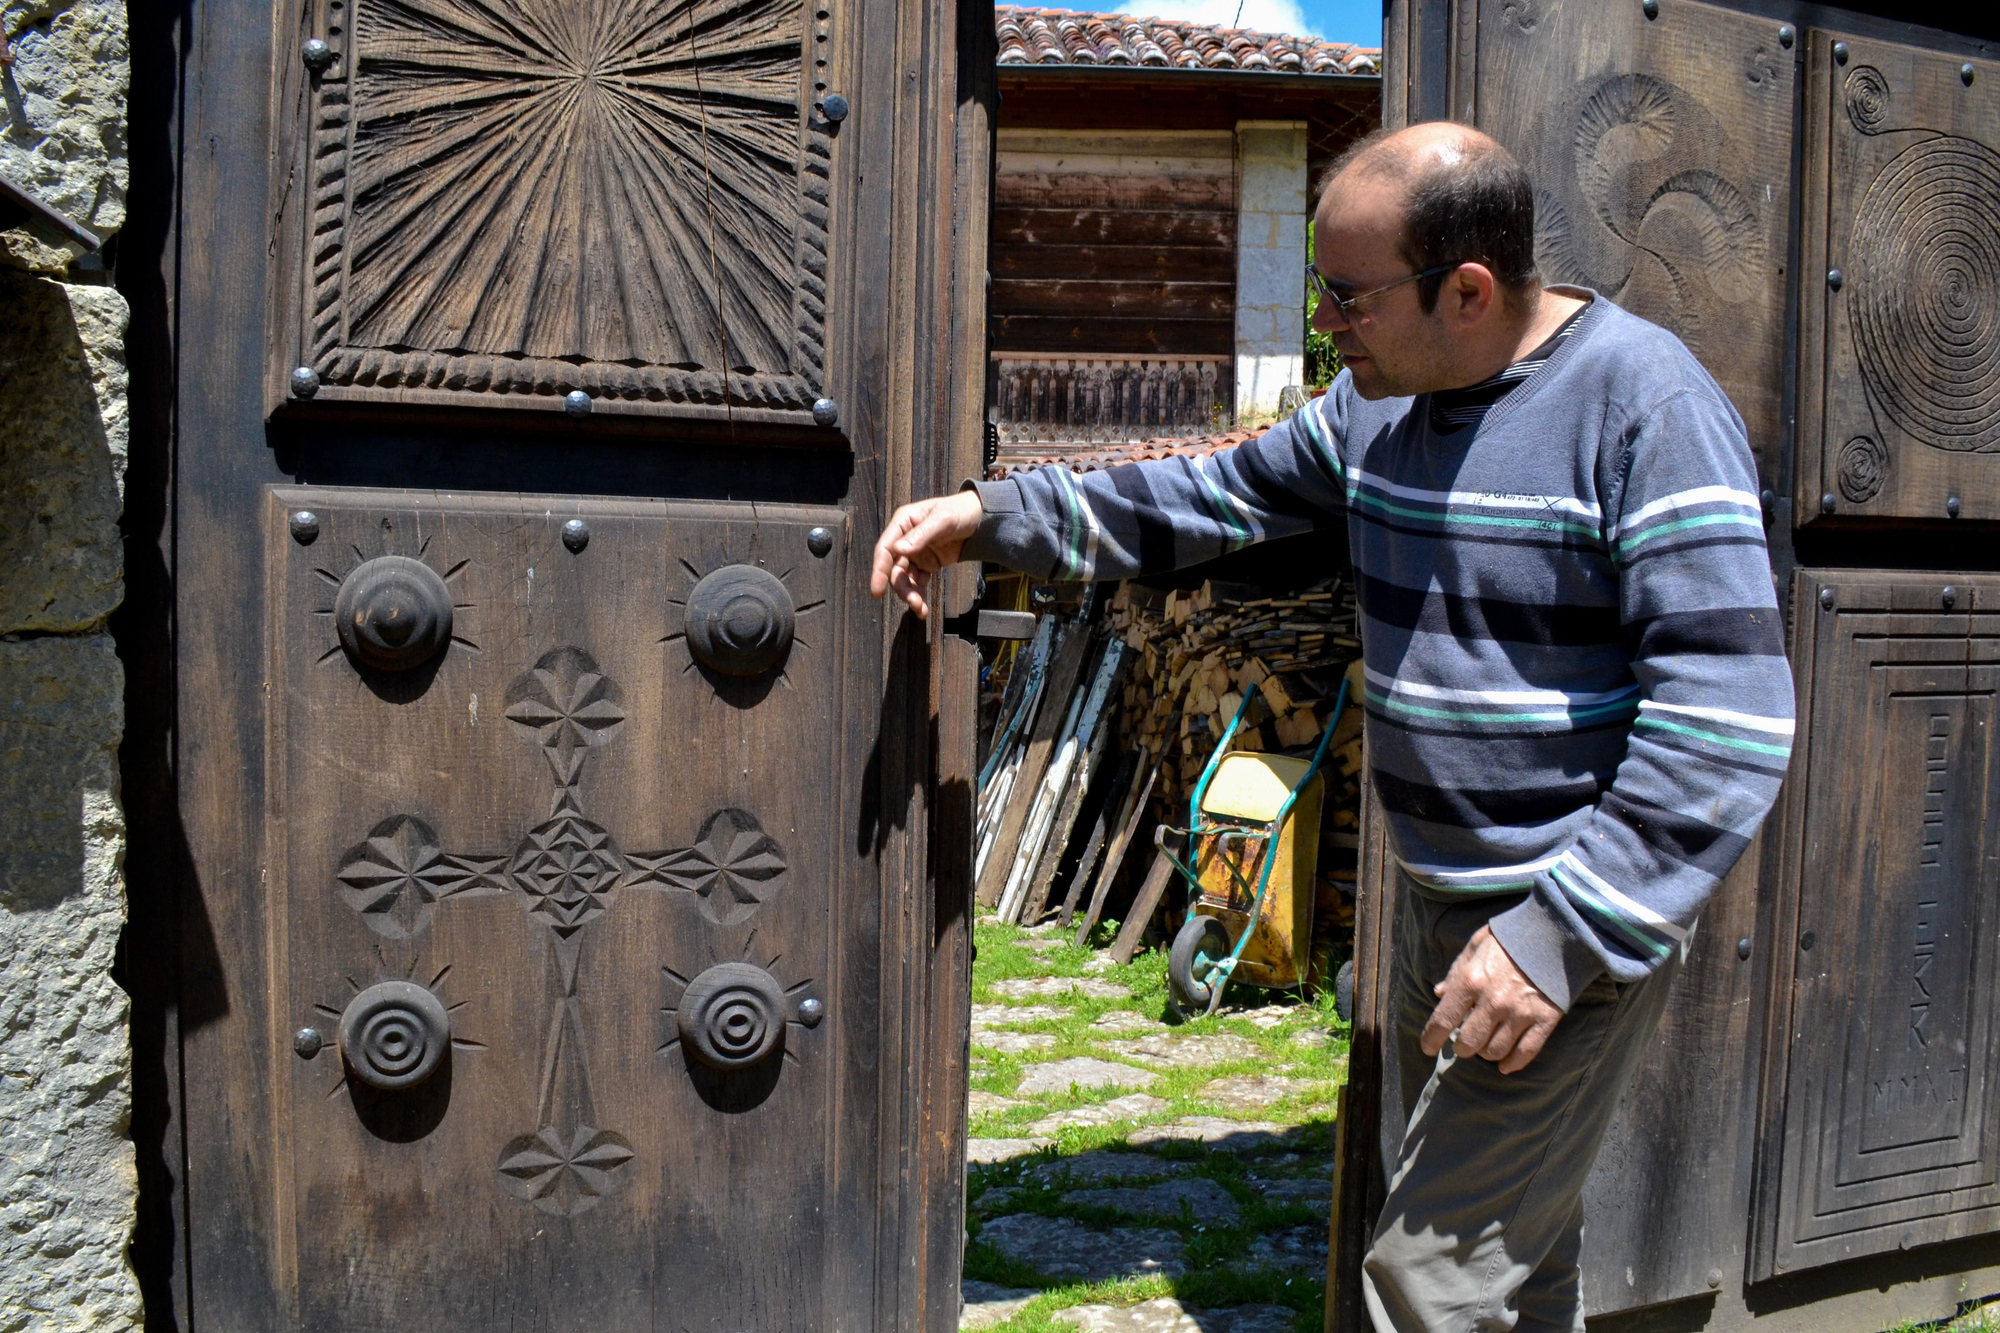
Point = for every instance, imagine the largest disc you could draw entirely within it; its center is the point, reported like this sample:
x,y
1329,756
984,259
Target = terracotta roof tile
x,y
1088,459
1076,37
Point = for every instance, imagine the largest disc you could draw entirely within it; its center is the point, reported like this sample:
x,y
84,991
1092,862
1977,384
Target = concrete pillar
x,y
1270,262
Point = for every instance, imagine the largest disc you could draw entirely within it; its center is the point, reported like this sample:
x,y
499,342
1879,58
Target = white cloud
x,y
1274,16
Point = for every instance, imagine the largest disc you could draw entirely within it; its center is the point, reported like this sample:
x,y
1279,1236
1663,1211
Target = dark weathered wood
x,y
1043,333
1090,297
1116,263
1129,821
1892,1100
1899,406
1105,823
1092,754
1046,189
1019,225
1062,681
1336,1276
1143,903
1373,1120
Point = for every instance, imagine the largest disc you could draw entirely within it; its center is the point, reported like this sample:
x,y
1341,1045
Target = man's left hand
x,y
1488,1007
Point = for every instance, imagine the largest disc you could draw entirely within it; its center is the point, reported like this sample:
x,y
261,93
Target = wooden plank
x,y
1065,824
1048,189
1128,825
1062,682
1078,298
1076,145
1148,898
1117,263
1375,1115
1105,824
1027,224
1180,337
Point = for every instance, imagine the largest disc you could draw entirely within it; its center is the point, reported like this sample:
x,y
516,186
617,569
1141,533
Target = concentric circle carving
x,y
739,621
1867,96
1862,467
732,1016
1926,293
393,1034
393,613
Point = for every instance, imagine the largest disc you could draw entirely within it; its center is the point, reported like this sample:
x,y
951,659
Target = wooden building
x,y
1809,195
1149,220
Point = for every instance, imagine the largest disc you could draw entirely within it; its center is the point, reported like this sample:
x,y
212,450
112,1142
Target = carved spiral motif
x,y
1864,462
393,1034
1867,96
740,621
1925,256
393,613
732,1016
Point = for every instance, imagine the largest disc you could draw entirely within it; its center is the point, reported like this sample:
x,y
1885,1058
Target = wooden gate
x,y
575,919
1809,198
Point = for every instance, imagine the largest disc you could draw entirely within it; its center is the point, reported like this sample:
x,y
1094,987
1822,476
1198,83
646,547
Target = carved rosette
x,y
530,197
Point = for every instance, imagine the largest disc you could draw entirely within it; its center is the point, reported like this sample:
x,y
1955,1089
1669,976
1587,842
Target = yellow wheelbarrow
x,y
1250,884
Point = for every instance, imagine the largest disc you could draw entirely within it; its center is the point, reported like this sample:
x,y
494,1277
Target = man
x,y
1578,703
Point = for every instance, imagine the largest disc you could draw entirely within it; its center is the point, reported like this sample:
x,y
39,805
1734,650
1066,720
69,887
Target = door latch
x,y
992,625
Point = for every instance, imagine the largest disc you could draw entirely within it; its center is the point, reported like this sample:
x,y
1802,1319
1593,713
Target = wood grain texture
x,y
524,197
1146,229
1097,334
1900,364
1660,150
1890,1058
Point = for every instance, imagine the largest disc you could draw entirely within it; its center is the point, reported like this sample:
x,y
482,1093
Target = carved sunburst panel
x,y
535,196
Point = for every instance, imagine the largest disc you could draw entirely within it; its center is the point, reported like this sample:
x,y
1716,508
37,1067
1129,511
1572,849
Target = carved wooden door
x,y
575,929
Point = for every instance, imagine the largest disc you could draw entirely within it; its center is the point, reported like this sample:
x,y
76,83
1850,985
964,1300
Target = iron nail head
x,y
1951,506
1826,599
1840,53
1807,940
1949,597
826,412
1786,36
834,107
1743,947
819,541
577,403
304,524
810,1012
1827,502
1965,72
576,534
1651,8
316,54
1834,278
307,1043
305,382
1714,1277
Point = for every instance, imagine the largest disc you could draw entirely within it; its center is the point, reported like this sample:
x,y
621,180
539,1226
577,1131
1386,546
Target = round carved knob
x,y
393,613
732,1016
393,1034
739,621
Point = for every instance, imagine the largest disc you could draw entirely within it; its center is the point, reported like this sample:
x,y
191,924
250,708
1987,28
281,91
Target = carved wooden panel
x,y
1885,1075
1900,299
1660,149
514,200
546,854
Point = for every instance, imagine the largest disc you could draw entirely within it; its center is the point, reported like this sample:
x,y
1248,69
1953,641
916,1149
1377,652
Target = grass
x,y
1213,1250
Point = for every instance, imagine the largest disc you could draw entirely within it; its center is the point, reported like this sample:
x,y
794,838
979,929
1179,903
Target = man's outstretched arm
x,y
1141,518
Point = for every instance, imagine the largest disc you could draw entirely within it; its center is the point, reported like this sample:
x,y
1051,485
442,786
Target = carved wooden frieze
x,y
1900,300
515,200
1660,148
1885,1050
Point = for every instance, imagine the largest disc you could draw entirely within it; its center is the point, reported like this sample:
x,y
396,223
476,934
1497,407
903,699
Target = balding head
x,y
1464,200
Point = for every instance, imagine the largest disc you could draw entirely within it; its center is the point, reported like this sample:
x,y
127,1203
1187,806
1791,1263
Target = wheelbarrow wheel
x,y
1343,992
1201,944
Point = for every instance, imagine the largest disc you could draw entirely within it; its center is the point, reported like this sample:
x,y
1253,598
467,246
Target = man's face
x,y
1393,348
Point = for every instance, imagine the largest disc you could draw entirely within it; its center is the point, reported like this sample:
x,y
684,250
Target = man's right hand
x,y
921,539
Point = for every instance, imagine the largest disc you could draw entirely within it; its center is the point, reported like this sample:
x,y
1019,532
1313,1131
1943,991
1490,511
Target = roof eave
x,y
1175,75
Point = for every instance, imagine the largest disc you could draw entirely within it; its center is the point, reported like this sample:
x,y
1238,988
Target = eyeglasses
x,y
1348,305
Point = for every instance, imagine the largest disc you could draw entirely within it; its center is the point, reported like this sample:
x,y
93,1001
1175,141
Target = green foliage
x,y
1322,358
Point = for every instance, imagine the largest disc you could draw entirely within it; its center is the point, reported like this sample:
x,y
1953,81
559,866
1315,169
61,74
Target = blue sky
x,y
1357,21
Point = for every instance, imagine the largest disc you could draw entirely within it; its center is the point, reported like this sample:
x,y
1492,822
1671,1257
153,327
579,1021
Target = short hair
x,y
1477,206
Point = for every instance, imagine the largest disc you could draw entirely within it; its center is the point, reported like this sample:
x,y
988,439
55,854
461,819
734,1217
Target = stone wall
x,y
67,1192
1270,263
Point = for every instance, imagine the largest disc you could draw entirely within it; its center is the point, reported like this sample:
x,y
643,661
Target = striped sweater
x,y
1575,672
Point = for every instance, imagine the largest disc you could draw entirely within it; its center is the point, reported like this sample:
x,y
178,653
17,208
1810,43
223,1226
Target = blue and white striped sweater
x,y
1575,672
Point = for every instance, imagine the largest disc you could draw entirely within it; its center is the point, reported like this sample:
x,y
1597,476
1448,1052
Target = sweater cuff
x,y
1544,945
1001,500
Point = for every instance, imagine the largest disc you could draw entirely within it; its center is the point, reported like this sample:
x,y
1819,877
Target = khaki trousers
x,y
1483,1224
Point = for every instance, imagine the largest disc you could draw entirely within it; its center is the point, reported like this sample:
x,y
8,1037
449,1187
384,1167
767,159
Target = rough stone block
x,y
67,135
67,1176
1059,1076
1060,1247
1203,1199
63,429
1273,279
